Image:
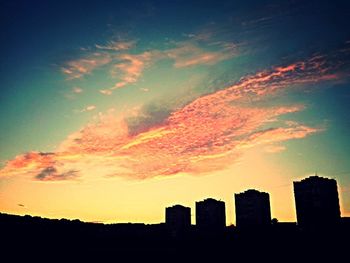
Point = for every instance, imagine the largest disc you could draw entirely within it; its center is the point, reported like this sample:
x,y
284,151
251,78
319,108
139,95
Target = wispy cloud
x,y
116,45
73,93
205,135
88,108
277,135
127,66
77,90
75,69
274,148
130,68
204,35
188,53
106,91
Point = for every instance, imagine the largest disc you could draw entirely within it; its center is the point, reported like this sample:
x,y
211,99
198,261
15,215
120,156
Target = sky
x,y
111,111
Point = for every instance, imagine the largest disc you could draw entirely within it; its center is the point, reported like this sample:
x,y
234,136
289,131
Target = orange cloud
x,y
42,166
129,67
81,67
205,135
189,54
274,148
277,135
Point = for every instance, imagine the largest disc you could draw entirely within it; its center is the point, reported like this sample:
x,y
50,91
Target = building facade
x,y
178,217
210,214
316,202
252,209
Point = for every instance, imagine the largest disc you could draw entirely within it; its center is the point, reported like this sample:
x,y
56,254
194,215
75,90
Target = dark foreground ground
x,y
34,239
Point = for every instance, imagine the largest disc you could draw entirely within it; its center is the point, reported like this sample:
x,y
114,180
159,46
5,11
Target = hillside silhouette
x,y
27,236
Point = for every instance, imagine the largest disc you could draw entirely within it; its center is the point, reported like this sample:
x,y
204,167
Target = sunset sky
x,y
113,110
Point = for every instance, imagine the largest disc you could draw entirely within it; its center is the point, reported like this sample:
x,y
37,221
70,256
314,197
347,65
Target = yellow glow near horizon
x,y
113,200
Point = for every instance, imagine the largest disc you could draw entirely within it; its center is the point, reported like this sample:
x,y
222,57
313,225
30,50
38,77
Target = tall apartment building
x,y
252,209
316,201
210,214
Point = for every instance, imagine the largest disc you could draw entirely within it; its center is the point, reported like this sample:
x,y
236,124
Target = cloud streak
x,y
188,53
76,69
87,108
129,70
206,135
116,45
128,66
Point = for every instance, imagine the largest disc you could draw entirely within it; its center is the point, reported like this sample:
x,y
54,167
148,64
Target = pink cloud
x,y
190,54
129,69
206,135
131,66
278,135
78,68
41,166
190,141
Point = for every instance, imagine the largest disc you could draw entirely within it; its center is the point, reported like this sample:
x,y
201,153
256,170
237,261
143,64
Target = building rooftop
x,y
178,206
315,178
211,200
251,192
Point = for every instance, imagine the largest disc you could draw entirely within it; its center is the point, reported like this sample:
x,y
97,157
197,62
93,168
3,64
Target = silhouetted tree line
x,y
27,236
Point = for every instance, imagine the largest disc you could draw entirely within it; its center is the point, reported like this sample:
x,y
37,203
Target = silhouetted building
x,y
316,201
252,209
210,214
178,217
